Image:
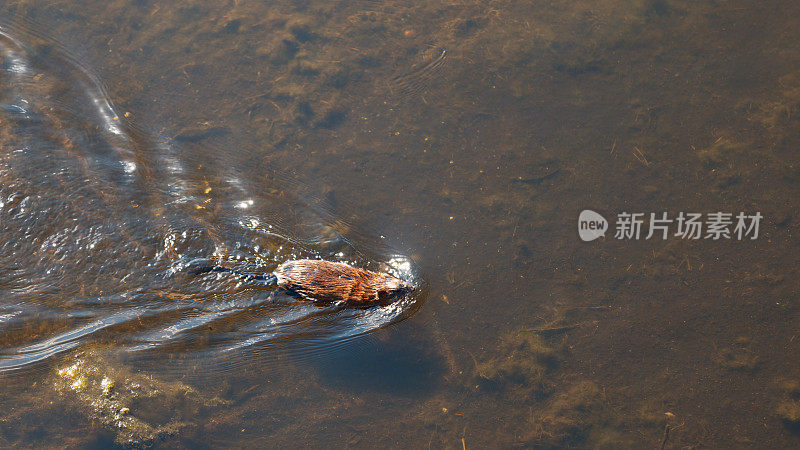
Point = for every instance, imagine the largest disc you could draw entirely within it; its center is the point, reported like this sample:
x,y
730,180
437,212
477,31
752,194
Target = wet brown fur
x,y
328,281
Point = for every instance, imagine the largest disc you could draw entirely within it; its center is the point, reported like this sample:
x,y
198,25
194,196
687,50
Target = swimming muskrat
x,y
327,281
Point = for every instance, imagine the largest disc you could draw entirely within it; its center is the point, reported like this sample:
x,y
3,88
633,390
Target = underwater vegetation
x,y
522,360
739,356
788,407
138,408
560,411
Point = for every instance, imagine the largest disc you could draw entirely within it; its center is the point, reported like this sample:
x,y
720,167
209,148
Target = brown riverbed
x,y
465,136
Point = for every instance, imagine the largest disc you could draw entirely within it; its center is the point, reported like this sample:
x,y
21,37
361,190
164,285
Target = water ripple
x,y
99,220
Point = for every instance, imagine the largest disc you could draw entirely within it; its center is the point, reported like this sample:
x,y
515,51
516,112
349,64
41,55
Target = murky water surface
x,y
451,144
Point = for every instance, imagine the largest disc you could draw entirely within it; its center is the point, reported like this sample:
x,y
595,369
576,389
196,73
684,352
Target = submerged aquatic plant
x,y
138,408
788,408
522,359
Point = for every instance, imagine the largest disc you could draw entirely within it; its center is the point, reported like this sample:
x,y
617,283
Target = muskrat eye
x,y
394,293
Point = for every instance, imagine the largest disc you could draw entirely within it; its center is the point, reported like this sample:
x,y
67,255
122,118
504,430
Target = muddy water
x,y
453,144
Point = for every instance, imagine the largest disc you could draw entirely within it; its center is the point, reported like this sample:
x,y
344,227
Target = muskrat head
x,y
390,288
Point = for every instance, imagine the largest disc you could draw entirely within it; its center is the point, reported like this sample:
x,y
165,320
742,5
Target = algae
x,y
739,356
788,406
137,408
521,359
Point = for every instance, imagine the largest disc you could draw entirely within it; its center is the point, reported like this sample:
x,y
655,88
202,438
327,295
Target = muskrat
x,y
327,281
